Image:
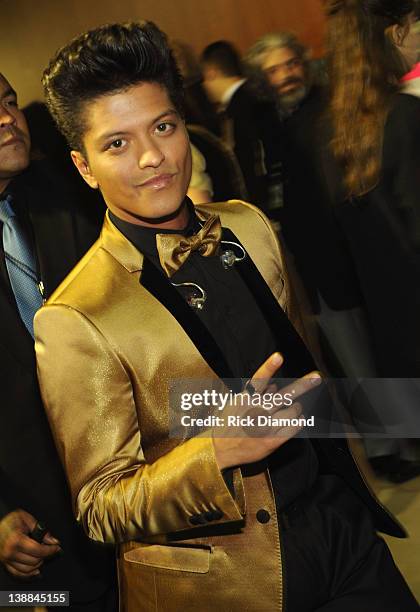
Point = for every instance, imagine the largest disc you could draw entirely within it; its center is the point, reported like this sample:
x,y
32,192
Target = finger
x,y
287,416
20,557
49,539
34,549
28,520
291,412
279,436
265,372
22,570
302,385
279,421
284,434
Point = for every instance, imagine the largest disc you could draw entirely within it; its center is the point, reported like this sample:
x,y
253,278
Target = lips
x,y
290,85
158,182
11,141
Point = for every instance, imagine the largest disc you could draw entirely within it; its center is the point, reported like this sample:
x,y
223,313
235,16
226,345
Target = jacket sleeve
x,y
117,494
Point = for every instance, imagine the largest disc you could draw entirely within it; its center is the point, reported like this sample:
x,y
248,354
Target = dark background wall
x,y
31,30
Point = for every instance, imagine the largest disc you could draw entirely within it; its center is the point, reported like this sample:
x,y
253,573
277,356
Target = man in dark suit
x,y
44,235
244,116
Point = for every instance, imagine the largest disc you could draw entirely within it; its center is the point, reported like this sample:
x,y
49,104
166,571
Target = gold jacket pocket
x,y
179,558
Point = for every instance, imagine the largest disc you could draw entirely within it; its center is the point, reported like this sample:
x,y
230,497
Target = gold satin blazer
x,y
107,346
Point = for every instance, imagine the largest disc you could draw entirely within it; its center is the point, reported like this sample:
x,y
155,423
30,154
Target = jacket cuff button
x,y
216,515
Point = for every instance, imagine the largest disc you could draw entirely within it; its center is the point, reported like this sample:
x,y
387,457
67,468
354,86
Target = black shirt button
x,y
263,516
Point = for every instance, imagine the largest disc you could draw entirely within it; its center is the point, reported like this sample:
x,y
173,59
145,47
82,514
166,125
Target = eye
x,y
118,143
165,127
11,102
272,70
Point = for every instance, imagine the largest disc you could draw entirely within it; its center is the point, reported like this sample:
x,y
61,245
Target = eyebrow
x,y
291,59
107,135
9,92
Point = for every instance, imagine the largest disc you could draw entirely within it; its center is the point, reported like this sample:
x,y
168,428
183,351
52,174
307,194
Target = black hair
x,y
392,11
103,61
224,56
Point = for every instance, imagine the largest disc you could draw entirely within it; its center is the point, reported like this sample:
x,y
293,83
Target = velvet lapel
x,y
297,359
160,287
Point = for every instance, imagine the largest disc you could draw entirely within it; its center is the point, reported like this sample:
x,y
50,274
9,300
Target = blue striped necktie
x,y
21,267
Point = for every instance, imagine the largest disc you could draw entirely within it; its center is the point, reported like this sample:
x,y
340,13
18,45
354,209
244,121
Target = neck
x,y
3,185
177,220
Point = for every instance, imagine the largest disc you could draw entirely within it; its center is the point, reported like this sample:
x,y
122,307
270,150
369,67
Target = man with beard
x,y
308,225
43,236
282,60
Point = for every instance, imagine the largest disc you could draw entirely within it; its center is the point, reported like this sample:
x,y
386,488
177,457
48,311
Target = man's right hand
x,y
241,449
21,555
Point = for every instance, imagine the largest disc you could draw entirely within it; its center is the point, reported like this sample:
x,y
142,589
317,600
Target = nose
x,y
6,117
278,76
151,156
285,71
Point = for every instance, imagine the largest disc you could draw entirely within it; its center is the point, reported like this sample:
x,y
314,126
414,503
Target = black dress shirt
x,y
236,323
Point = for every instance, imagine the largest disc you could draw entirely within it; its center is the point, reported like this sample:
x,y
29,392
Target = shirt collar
x,y
144,238
230,92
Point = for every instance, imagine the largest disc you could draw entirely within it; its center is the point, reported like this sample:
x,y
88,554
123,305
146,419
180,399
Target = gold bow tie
x,y
174,249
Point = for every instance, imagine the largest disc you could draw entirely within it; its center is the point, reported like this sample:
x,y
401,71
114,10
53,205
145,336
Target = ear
x,y
210,73
83,167
398,33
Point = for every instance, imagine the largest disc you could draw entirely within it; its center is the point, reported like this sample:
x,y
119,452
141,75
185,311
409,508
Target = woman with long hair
x,y
372,169
366,69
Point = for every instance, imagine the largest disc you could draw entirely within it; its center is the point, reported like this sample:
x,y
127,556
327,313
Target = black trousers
x,y
107,603
333,560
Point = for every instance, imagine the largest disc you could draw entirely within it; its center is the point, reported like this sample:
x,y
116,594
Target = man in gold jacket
x,y
170,293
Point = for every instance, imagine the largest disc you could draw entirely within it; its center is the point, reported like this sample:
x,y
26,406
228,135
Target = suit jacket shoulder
x,y
247,222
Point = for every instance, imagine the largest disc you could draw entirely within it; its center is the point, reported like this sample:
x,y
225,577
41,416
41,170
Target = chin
x,y
157,211
12,170
293,98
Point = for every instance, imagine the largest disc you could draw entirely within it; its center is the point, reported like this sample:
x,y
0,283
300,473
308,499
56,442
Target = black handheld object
x,y
38,532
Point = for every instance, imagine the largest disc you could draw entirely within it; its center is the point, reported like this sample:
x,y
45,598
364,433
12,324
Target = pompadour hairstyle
x,y
104,61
